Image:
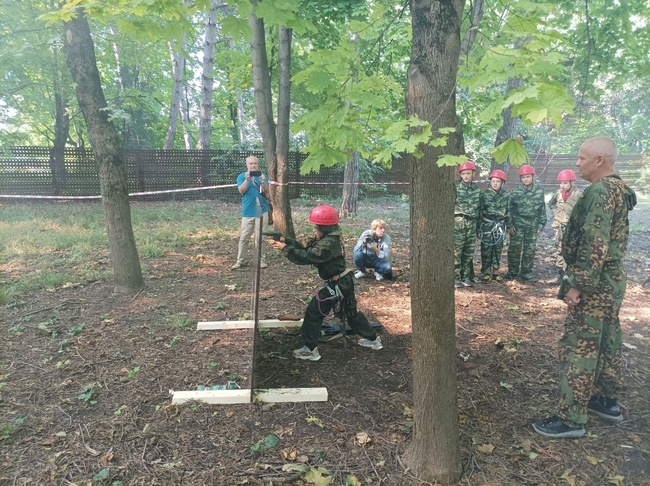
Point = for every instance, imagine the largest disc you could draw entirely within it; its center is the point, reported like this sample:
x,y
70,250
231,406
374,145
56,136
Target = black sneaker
x,y
554,427
605,408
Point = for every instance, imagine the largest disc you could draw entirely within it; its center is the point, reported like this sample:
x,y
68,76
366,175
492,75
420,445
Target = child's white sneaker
x,y
306,353
367,343
359,274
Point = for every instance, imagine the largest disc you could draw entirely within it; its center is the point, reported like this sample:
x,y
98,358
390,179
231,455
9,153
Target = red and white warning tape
x,y
206,188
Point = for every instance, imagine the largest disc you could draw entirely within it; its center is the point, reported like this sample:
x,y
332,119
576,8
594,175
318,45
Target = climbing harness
x,y
335,294
495,234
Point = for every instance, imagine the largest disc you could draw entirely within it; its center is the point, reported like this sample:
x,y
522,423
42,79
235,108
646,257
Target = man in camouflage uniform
x,y
492,226
562,203
327,254
526,220
593,247
465,225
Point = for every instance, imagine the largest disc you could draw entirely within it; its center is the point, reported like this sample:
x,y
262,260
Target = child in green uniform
x,y
526,220
327,254
465,225
492,226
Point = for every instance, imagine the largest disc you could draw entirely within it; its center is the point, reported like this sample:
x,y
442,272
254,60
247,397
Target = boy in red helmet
x,y
466,227
526,220
492,226
327,254
561,204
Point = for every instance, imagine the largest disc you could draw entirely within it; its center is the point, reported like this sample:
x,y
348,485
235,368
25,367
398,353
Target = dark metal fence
x,y
40,171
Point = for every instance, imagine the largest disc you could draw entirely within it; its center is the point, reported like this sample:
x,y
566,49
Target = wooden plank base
x,y
270,395
262,324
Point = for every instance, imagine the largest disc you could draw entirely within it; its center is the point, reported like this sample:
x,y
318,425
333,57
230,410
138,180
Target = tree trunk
x,y
178,68
282,220
61,134
434,454
103,136
262,88
185,117
350,186
207,78
472,30
508,128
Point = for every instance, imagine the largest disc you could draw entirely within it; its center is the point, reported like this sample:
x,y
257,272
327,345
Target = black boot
x,y
559,278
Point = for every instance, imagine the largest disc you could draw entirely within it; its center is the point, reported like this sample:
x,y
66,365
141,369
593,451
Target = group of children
x,y
493,214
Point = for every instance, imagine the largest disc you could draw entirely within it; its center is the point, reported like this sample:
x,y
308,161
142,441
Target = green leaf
x,y
101,475
319,476
448,160
512,149
271,440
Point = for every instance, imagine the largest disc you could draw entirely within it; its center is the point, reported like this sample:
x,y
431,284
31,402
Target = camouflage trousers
x,y
590,350
464,246
559,260
492,235
521,250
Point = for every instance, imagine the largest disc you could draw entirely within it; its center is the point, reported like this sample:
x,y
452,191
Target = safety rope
x,y
495,235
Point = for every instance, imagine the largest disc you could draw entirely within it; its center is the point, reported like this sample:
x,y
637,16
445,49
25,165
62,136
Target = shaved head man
x,y
593,247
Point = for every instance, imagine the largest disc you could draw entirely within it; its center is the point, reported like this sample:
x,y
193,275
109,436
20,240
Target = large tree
x,y
434,454
275,138
107,148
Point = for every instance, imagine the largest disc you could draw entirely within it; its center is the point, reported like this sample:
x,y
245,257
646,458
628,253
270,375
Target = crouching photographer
x,y
373,251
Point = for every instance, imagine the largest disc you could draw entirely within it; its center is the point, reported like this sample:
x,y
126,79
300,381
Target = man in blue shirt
x,y
252,189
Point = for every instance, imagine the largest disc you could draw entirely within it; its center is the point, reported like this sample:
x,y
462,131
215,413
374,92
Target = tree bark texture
x,y
103,136
476,16
350,186
434,454
207,77
279,169
262,87
61,135
178,68
185,117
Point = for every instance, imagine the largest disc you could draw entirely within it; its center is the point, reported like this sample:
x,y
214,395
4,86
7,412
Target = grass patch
x,y
48,245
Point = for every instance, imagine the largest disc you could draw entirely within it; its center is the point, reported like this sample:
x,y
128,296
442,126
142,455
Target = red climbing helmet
x,y
526,170
566,175
469,165
324,216
498,174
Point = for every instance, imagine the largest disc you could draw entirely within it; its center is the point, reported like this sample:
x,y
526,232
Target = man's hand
x,y
572,297
512,230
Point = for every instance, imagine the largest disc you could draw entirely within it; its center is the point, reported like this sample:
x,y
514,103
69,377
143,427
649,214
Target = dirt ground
x,y
86,375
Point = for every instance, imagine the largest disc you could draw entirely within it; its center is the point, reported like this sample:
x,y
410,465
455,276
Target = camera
x,y
255,173
369,239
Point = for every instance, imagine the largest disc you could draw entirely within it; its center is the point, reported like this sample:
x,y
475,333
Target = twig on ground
x,y
136,295
49,308
372,464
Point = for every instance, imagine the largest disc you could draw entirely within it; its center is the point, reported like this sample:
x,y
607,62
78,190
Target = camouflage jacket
x,y
327,254
597,231
561,208
467,200
494,204
527,206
